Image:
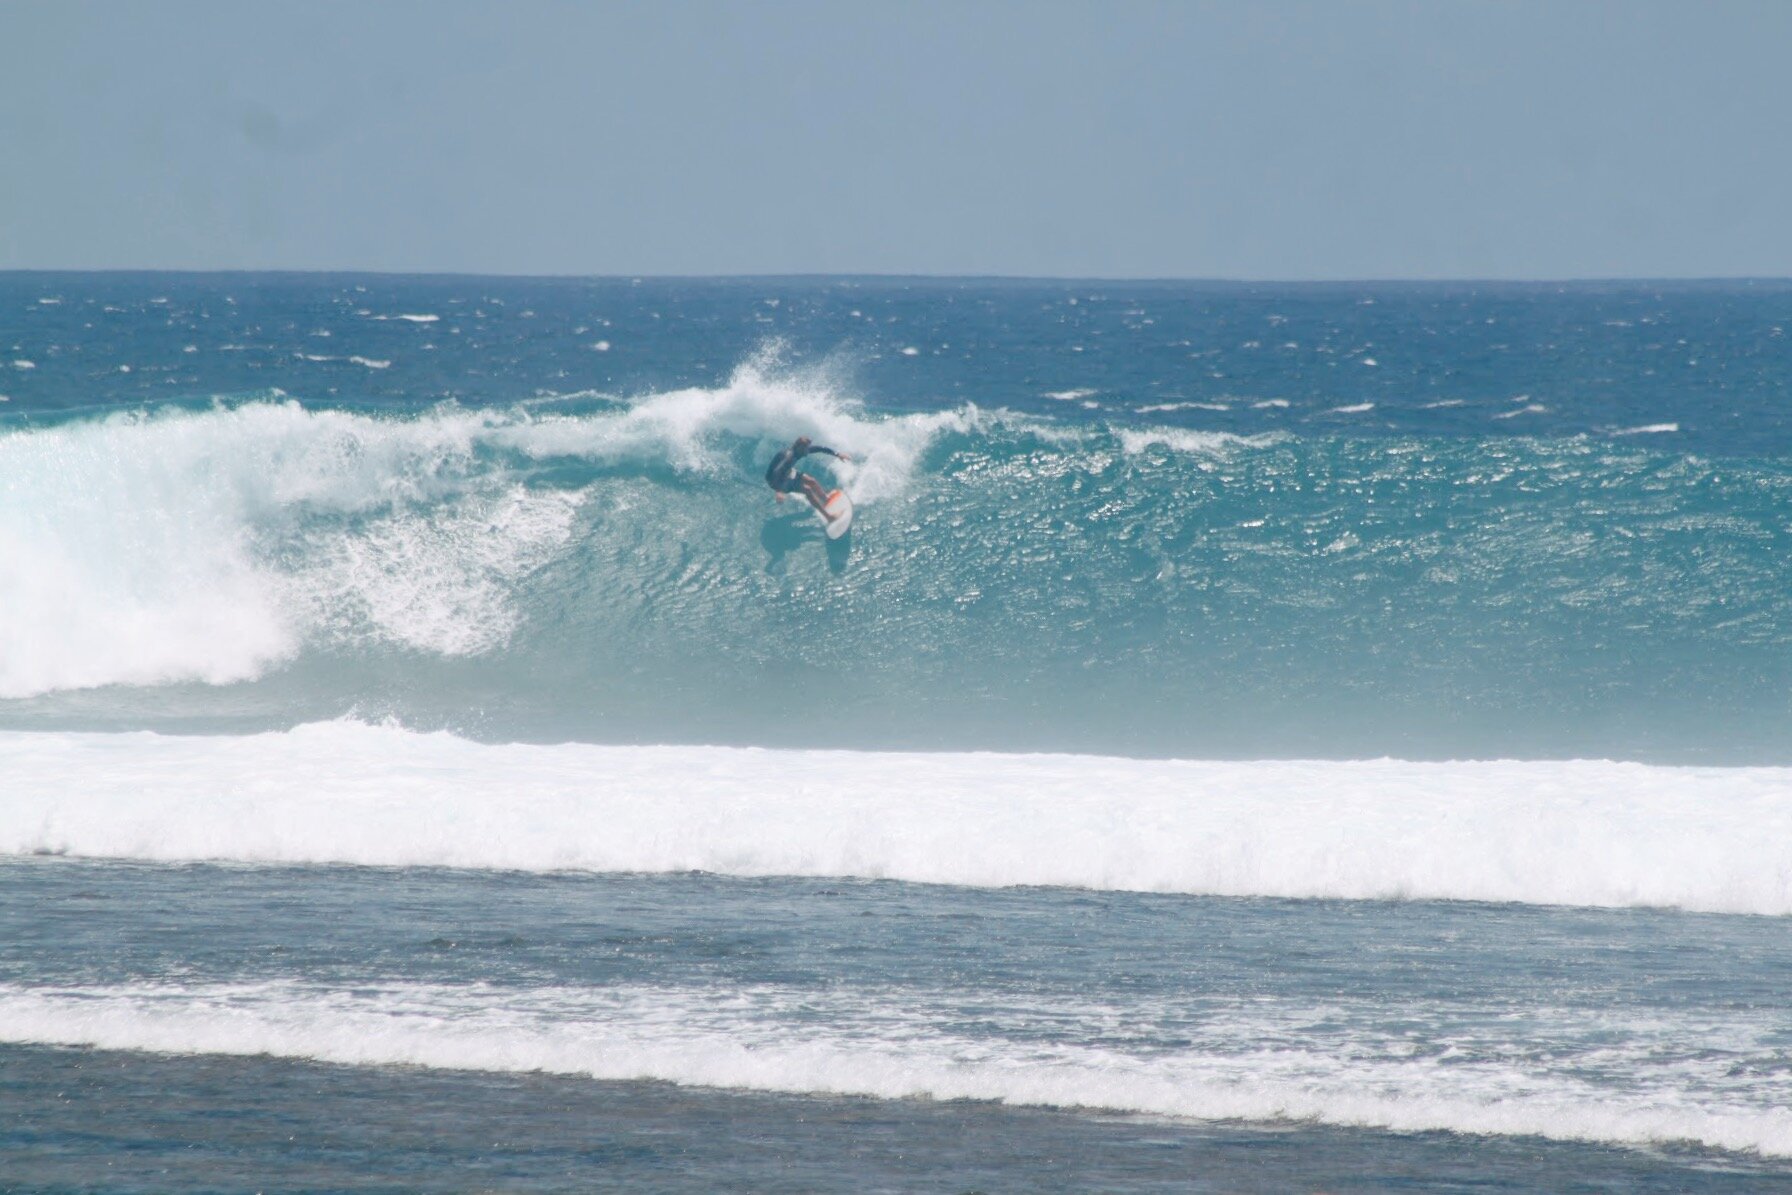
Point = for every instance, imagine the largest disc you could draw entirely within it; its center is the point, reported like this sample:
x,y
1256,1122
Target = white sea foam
x,y
1648,429
151,550
1352,409
1180,439
1535,408
1671,1078
1574,833
1070,395
370,362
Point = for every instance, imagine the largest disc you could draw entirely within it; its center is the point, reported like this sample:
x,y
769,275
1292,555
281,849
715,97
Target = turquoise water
x,y
1414,521
410,692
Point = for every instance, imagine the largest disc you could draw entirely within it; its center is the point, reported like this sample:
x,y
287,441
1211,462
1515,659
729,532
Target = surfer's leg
x,y
818,497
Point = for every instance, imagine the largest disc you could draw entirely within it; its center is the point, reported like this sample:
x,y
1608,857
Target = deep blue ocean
x,y
1254,738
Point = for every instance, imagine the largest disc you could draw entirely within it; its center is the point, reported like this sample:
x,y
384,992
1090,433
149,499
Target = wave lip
x,y
898,1044
1586,833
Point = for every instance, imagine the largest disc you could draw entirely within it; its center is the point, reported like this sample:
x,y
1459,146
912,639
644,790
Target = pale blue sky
x,y
1268,140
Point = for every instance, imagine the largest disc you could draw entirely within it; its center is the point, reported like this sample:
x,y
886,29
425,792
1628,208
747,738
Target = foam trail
x,y
891,1045
1573,833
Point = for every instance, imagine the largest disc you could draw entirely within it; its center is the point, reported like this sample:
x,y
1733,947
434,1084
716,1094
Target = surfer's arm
x,y
839,456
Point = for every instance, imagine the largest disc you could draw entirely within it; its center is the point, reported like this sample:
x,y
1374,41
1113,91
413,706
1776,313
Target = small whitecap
x,y
124,369
1352,409
48,302
191,348
370,363
911,351
1369,361
601,346
1442,402
1648,429
21,363
1186,406
1090,403
1069,395
5,398
1535,408
1268,403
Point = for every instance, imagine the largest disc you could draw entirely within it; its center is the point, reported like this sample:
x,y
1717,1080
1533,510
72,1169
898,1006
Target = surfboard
x,y
838,513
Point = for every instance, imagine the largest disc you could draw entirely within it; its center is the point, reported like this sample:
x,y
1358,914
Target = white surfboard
x,y
838,513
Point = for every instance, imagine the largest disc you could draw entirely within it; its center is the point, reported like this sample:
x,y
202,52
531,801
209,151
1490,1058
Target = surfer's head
x,y
803,441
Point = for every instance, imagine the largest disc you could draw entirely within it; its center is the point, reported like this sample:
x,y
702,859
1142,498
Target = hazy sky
x,y
1244,140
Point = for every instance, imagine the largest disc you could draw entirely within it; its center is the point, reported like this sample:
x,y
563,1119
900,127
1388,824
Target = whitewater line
x,y
685,1038
1549,832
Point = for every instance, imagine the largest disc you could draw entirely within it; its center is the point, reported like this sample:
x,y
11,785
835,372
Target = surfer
x,y
784,478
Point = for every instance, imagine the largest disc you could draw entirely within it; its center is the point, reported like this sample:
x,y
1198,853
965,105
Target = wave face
x,y
1589,834
615,570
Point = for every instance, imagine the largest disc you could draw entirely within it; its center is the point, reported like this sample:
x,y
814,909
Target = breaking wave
x,y
613,570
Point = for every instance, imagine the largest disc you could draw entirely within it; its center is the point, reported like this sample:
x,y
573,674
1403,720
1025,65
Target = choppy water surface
x,y
1204,659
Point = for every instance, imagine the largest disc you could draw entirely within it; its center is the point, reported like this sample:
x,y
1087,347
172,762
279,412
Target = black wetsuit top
x,y
782,475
